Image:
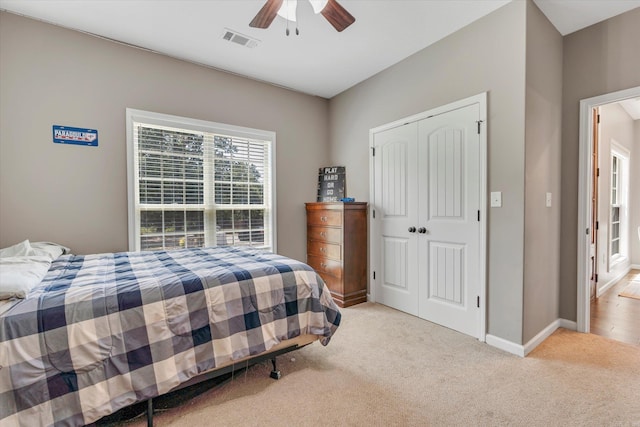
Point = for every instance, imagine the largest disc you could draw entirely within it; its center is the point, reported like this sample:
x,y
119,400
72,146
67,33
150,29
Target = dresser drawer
x,y
324,265
325,234
323,249
324,217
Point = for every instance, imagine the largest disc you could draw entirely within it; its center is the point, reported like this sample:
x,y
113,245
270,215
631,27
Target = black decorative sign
x,y
331,183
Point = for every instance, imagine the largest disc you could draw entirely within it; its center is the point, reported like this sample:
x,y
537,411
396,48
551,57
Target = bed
x,y
101,332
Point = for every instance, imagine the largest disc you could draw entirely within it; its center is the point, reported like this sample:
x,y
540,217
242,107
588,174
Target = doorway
x,y
606,220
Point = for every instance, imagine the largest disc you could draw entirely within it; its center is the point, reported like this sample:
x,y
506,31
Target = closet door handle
x,y
412,229
422,230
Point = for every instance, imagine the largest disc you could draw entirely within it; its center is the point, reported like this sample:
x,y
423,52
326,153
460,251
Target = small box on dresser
x,y
337,248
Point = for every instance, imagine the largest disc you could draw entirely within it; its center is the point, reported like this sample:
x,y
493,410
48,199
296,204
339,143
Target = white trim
x,y
374,250
524,350
547,332
502,344
568,324
133,115
584,198
541,336
480,98
635,266
484,214
274,200
620,150
604,288
373,224
623,155
616,260
131,217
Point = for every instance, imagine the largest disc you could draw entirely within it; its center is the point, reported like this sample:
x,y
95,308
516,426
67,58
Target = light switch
x,y
496,199
548,200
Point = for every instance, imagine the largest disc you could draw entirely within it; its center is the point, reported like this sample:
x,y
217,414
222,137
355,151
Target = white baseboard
x,y
502,344
523,350
542,335
601,290
635,266
568,324
546,333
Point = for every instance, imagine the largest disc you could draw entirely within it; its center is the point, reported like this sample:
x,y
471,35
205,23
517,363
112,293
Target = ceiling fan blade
x,y
337,15
267,14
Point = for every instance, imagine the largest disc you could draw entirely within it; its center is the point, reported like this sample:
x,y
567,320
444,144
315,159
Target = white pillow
x,y
26,248
52,250
20,249
18,275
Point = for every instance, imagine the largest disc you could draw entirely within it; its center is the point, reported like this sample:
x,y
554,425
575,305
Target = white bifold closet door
x,y
427,193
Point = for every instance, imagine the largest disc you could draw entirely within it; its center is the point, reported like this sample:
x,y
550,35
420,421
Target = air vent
x,y
241,39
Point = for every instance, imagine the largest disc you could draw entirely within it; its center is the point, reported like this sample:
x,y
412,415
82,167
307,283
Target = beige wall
x,y
77,195
488,55
543,129
599,59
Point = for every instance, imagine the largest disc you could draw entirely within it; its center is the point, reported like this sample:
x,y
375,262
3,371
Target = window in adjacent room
x,y
618,214
194,183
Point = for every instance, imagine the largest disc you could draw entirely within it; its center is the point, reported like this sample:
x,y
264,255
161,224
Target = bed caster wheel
x,y
275,375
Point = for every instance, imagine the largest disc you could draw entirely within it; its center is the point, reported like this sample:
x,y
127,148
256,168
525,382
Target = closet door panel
x,y
397,206
449,194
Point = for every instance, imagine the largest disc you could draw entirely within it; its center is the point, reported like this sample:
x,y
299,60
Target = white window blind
x,y
195,183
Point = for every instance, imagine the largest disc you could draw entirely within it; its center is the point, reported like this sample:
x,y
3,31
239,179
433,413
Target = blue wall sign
x,y
77,136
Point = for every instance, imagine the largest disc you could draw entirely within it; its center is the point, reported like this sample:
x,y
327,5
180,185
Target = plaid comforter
x,y
104,331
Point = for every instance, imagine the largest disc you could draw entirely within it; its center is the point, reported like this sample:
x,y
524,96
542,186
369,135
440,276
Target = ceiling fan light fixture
x,y
289,7
288,10
318,5
337,15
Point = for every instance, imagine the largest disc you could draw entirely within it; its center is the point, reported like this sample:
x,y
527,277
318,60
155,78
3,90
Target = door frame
x,y
374,248
595,194
585,173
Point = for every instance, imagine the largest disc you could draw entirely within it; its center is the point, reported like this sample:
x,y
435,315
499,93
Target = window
x,y
194,183
618,224
615,205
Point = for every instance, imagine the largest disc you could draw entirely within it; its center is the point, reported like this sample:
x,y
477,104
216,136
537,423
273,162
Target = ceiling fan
x,y
330,9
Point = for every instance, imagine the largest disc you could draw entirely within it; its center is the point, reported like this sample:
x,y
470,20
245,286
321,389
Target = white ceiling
x,y
320,61
632,107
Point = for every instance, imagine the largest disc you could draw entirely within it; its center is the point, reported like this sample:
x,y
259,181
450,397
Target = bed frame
x,y
282,348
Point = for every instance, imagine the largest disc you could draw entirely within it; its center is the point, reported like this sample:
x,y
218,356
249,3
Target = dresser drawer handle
x,y
323,234
323,218
323,265
323,249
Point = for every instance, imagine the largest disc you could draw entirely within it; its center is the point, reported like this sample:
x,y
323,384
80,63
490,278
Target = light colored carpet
x,y
632,290
386,368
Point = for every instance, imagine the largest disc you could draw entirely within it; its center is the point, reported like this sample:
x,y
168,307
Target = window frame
x,y
618,198
195,125
615,205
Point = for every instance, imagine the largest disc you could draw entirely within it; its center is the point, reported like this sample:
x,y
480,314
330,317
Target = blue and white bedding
x,y
101,332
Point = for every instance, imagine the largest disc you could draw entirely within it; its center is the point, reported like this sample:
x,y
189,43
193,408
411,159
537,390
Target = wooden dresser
x,y
337,248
